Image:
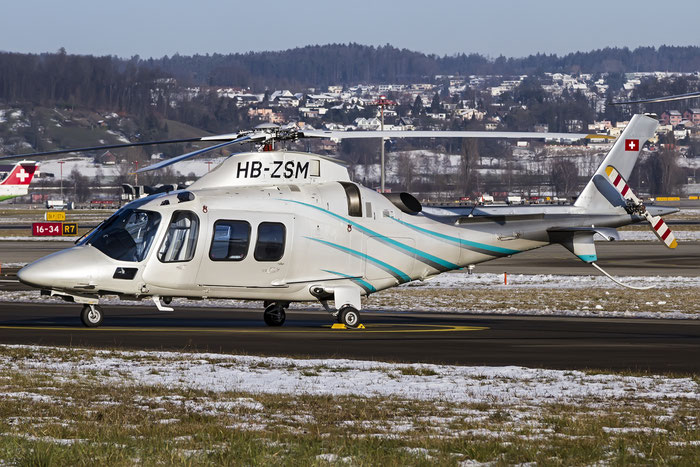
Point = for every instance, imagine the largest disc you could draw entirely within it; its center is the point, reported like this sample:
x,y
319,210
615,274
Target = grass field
x,y
74,406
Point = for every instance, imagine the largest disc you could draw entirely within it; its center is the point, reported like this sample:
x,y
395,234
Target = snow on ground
x,y
461,280
338,377
198,166
689,213
648,235
12,220
119,136
84,165
691,163
21,238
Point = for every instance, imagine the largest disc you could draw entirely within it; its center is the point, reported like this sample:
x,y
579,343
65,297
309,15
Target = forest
x,y
123,84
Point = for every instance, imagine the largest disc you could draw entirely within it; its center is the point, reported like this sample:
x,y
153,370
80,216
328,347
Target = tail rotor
x,y
636,206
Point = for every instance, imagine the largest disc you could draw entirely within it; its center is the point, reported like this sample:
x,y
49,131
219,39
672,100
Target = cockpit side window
x,y
127,235
180,241
231,240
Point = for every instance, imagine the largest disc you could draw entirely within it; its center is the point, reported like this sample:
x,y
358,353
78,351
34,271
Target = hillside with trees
x,y
57,100
116,83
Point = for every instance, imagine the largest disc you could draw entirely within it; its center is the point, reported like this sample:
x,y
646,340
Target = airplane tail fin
x,y
21,174
599,193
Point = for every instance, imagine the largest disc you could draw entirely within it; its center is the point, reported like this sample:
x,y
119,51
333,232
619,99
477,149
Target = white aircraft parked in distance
x,y
17,181
282,227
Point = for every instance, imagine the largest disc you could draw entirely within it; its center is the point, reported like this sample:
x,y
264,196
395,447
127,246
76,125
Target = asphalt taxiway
x,y
660,346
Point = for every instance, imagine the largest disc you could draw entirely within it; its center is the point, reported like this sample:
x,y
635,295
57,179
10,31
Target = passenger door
x,y
246,250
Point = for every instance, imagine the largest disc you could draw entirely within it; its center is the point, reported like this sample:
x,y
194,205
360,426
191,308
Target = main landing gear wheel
x,y
91,316
274,315
349,316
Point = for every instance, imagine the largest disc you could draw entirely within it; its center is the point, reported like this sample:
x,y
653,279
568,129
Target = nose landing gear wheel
x,y
91,316
274,315
349,316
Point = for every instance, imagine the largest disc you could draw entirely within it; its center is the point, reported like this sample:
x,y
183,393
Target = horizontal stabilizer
x,y
578,241
608,233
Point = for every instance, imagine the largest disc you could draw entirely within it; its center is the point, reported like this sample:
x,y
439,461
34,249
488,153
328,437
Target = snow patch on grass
x,y
273,375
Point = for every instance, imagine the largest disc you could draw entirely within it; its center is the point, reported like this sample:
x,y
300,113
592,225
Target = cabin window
x,y
270,243
231,241
352,193
181,239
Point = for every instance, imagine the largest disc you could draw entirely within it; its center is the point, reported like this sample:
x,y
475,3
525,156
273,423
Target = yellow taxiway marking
x,y
372,328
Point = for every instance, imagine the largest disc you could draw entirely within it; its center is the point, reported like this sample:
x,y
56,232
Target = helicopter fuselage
x,y
287,241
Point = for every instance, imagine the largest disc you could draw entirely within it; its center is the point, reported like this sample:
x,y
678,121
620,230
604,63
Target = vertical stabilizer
x,y
622,157
21,174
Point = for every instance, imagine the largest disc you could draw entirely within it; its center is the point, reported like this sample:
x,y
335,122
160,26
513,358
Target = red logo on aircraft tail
x,y
20,175
631,145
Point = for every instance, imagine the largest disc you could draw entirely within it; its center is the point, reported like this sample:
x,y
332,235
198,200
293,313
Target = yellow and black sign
x,y
55,216
70,228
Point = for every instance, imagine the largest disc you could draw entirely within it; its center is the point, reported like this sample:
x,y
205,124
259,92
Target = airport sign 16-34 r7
x,y
54,229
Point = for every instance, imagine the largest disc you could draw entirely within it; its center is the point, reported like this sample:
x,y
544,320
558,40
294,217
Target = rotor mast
x,y
381,102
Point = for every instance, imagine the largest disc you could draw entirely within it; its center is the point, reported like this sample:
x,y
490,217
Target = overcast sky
x,y
153,28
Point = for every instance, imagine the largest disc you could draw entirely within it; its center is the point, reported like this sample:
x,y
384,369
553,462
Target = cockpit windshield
x,y
127,235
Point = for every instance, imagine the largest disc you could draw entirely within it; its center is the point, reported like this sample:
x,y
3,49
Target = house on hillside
x,y
367,123
693,116
245,100
266,114
671,117
406,124
106,158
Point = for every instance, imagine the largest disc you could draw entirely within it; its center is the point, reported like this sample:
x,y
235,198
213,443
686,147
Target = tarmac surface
x,y
659,346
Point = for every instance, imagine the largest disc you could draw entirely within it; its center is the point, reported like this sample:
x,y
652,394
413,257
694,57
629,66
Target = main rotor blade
x,y
175,160
97,148
677,97
447,134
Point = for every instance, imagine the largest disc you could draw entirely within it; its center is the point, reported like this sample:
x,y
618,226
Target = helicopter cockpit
x,y
127,235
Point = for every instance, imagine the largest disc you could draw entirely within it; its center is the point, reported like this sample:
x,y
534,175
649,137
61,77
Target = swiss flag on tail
x,y
21,174
631,145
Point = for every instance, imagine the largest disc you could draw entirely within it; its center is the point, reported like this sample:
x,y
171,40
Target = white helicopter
x,y
283,226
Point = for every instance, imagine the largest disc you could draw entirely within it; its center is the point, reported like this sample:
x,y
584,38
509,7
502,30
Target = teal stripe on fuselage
x,y
369,288
424,257
400,275
460,241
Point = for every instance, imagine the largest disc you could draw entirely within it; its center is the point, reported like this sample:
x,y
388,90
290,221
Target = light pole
x,y
381,102
60,164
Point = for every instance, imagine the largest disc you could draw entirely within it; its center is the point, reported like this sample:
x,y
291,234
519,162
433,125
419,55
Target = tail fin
x,y
21,174
599,193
